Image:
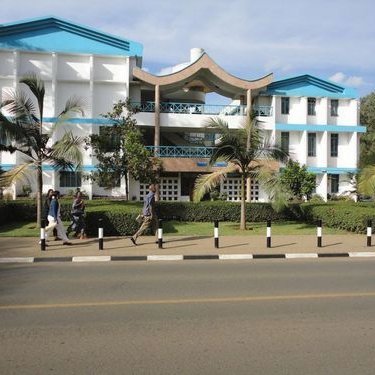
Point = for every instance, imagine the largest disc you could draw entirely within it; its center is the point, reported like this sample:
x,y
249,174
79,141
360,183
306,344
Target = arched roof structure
x,y
205,75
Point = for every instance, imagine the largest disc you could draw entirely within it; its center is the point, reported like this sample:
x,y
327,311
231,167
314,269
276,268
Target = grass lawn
x,y
177,228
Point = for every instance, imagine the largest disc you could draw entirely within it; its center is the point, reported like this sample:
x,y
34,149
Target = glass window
x,y
334,178
110,140
285,106
285,141
334,145
334,107
311,144
70,179
311,104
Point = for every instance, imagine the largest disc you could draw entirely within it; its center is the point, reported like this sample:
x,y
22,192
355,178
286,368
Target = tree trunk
x,y
243,203
39,196
126,186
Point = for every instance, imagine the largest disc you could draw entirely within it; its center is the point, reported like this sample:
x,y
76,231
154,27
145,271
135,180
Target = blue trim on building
x,y
42,34
81,120
332,170
218,164
49,168
321,128
309,86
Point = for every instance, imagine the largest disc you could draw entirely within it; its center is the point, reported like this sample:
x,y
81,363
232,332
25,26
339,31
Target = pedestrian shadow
x,y
190,238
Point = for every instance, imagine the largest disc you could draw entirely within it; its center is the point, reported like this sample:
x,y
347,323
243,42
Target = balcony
x,y
181,151
193,108
202,109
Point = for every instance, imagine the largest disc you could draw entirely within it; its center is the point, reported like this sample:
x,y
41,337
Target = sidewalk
x,y
120,248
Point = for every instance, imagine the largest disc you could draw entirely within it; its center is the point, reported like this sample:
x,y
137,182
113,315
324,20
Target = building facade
x,y
315,120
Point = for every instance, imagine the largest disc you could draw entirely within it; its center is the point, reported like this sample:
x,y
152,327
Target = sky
x,y
330,39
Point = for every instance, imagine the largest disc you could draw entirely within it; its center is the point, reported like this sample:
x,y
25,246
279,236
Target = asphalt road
x,y
198,317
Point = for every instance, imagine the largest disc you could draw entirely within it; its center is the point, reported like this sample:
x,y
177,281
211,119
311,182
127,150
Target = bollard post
x,y
43,235
100,234
216,234
268,233
369,232
160,234
319,233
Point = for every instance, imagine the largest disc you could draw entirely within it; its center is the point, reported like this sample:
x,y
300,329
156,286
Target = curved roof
x,y
308,85
203,72
54,34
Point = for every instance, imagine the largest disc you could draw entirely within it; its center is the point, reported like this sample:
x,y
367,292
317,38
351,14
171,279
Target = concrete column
x,y
157,132
302,154
322,150
157,117
248,114
322,185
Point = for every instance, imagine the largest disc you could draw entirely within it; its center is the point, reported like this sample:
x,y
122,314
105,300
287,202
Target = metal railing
x,y
181,151
193,108
202,109
263,110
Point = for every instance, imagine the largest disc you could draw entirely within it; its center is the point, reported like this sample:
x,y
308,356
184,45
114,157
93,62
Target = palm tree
x,y
366,181
246,152
21,130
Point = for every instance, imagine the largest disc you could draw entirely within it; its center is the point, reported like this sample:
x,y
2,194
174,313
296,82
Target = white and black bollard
x,y
100,234
160,234
268,233
369,232
216,234
43,235
319,233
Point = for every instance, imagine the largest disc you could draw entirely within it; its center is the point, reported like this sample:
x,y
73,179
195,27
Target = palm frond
x,y
20,106
206,182
36,86
277,193
73,106
20,172
67,150
366,181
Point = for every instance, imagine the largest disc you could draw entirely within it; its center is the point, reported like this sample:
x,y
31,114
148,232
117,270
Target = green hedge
x,y
119,216
348,216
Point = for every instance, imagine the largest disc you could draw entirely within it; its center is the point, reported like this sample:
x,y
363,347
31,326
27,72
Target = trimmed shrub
x,y
348,216
119,216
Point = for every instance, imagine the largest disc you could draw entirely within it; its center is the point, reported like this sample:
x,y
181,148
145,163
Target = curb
x,y
153,258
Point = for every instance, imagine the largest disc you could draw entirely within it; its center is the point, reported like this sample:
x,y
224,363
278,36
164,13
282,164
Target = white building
x,y
316,120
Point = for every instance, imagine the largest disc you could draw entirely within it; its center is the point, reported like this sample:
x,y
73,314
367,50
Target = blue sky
x,y
331,39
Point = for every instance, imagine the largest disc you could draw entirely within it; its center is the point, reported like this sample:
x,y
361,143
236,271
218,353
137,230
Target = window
x,y
311,144
311,103
334,145
285,106
113,181
70,179
334,178
334,107
285,141
110,140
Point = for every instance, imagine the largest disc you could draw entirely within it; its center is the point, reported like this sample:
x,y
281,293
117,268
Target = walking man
x,y
149,214
54,219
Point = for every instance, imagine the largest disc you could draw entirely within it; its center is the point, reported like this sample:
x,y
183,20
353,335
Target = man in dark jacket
x,y
149,214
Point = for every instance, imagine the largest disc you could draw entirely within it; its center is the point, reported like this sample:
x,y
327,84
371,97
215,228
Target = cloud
x,y
352,81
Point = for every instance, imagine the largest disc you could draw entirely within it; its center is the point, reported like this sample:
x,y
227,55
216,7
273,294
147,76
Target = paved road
x,y
259,317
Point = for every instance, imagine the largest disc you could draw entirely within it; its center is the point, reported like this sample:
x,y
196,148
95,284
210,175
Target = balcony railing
x,y
181,151
202,109
263,110
193,108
